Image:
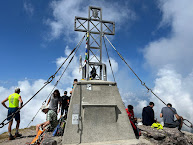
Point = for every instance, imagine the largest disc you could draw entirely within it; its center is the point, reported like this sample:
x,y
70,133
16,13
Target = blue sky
x,y
25,46
153,36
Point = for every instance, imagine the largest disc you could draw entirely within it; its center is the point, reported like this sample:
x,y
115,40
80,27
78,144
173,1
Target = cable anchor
x,y
50,79
2,124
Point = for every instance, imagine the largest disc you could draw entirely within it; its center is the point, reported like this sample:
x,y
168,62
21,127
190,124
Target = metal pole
x,y
88,46
101,34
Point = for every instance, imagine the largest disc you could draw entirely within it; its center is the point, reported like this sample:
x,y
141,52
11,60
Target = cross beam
x,y
95,27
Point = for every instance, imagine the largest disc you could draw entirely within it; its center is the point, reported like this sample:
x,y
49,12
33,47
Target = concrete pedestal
x,y
96,114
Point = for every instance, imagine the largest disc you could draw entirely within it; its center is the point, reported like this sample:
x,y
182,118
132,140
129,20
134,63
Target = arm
x,y
45,124
161,115
20,100
3,103
177,116
49,100
60,104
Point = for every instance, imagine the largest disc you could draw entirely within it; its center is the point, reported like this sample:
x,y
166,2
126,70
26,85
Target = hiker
x,y
14,100
130,113
54,100
93,73
51,120
64,103
168,114
75,82
148,115
133,120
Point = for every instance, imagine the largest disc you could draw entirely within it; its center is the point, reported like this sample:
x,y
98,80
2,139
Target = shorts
x,y
174,124
13,110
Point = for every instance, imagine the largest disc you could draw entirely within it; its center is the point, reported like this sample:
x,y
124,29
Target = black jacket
x,y
148,116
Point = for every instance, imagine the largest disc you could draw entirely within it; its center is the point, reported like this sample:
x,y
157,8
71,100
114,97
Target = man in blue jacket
x,y
148,115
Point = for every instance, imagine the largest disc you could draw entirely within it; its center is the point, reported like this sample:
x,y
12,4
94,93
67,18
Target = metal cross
x,y
93,26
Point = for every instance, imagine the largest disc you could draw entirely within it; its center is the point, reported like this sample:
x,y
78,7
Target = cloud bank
x,y
171,57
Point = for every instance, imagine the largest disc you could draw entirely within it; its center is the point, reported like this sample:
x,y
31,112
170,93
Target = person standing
x,y
168,114
54,100
14,100
64,103
148,115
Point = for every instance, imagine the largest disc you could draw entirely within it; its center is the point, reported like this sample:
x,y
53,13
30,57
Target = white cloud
x,y
171,56
28,7
171,87
64,12
27,91
176,48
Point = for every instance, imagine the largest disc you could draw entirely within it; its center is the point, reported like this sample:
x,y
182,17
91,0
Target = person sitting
x,y
51,119
130,113
148,115
168,114
93,73
133,120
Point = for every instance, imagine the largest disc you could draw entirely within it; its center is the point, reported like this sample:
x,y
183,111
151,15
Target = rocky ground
x,y
167,136
28,136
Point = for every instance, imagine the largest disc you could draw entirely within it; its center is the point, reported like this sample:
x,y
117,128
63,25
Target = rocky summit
x,y
149,136
166,136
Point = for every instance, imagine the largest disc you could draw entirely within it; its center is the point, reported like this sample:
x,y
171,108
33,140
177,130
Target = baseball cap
x,y
17,89
44,107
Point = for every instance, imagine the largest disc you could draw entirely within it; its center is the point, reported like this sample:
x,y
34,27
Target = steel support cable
x,y
2,124
142,83
78,46
68,57
109,59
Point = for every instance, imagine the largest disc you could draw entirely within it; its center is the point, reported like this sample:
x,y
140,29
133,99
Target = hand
x,y
38,125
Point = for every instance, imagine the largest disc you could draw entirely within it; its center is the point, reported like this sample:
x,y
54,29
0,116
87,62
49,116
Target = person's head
x,y
65,92
56,93
151,104
75,81
169,105
17,90
45,108
130,107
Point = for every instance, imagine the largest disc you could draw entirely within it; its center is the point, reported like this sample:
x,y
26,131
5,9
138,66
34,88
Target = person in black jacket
x,y
148,115
64,103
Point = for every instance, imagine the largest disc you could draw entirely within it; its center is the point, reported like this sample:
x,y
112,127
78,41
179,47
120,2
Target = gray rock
x,y
167,136
49,141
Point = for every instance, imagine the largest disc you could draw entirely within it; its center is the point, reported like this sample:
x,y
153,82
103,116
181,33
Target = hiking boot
x,y
18,135
11,137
